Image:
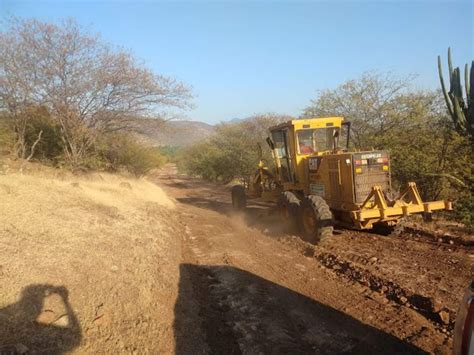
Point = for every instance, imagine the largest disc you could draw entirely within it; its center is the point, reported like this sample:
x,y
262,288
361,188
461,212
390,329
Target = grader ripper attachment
x,y
317,182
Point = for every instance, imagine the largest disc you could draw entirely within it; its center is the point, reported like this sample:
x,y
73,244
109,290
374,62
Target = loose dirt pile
x,y
88,264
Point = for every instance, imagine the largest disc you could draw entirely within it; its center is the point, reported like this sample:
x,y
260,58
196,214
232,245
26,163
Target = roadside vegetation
x,y
232,152
68,99
386,112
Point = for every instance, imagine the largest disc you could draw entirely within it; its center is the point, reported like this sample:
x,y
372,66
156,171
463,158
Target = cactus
x,y
460,107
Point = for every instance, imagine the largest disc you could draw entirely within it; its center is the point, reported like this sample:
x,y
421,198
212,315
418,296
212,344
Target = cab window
x,y
315,140
280,140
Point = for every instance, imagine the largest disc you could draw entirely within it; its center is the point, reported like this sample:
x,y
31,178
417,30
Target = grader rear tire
x,y
315,219
288,205
239,199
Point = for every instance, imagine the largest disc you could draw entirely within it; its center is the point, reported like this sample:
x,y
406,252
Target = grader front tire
x,y
288,205
239,199
315,219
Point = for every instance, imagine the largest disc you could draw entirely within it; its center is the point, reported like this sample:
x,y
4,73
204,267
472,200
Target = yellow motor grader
x,y
317,182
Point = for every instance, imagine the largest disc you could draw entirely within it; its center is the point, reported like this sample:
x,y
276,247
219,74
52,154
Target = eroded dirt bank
x,y
254,287
88,265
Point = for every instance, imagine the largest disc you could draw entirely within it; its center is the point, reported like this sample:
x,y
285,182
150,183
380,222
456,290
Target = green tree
x,y
121,151
374,103
231,152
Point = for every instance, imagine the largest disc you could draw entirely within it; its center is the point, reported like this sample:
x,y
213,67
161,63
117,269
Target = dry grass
x,y
109,240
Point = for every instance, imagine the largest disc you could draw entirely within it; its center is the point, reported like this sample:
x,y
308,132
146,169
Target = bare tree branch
x,y
86,85
32,151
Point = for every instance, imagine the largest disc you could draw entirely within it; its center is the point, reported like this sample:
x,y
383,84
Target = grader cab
x,y
316,182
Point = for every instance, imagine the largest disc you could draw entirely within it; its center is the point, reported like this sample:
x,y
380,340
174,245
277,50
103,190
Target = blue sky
x,y
244,58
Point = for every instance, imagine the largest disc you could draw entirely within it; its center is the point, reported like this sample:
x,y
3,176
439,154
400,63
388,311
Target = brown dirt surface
x,y
105,264
87,264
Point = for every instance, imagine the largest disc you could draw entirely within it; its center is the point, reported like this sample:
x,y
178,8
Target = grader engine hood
x,y
348,178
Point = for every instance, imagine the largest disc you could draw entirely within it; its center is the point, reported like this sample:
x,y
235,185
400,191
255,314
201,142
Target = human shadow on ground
x,y
41,322
226,310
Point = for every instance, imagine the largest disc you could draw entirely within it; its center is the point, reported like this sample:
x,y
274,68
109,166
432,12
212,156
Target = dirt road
x,y
247,286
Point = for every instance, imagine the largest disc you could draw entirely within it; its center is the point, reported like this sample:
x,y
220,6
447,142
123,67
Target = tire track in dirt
x,y
243,313
345,264
346,268
392,291
350,267
441,240
214,327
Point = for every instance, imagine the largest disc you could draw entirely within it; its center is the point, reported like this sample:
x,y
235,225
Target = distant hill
x,y
237,120
179,133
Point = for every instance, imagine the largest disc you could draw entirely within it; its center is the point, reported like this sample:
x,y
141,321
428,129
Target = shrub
x,y
464,209
231,152
122,151
169,152
37,119
50,146
7,136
